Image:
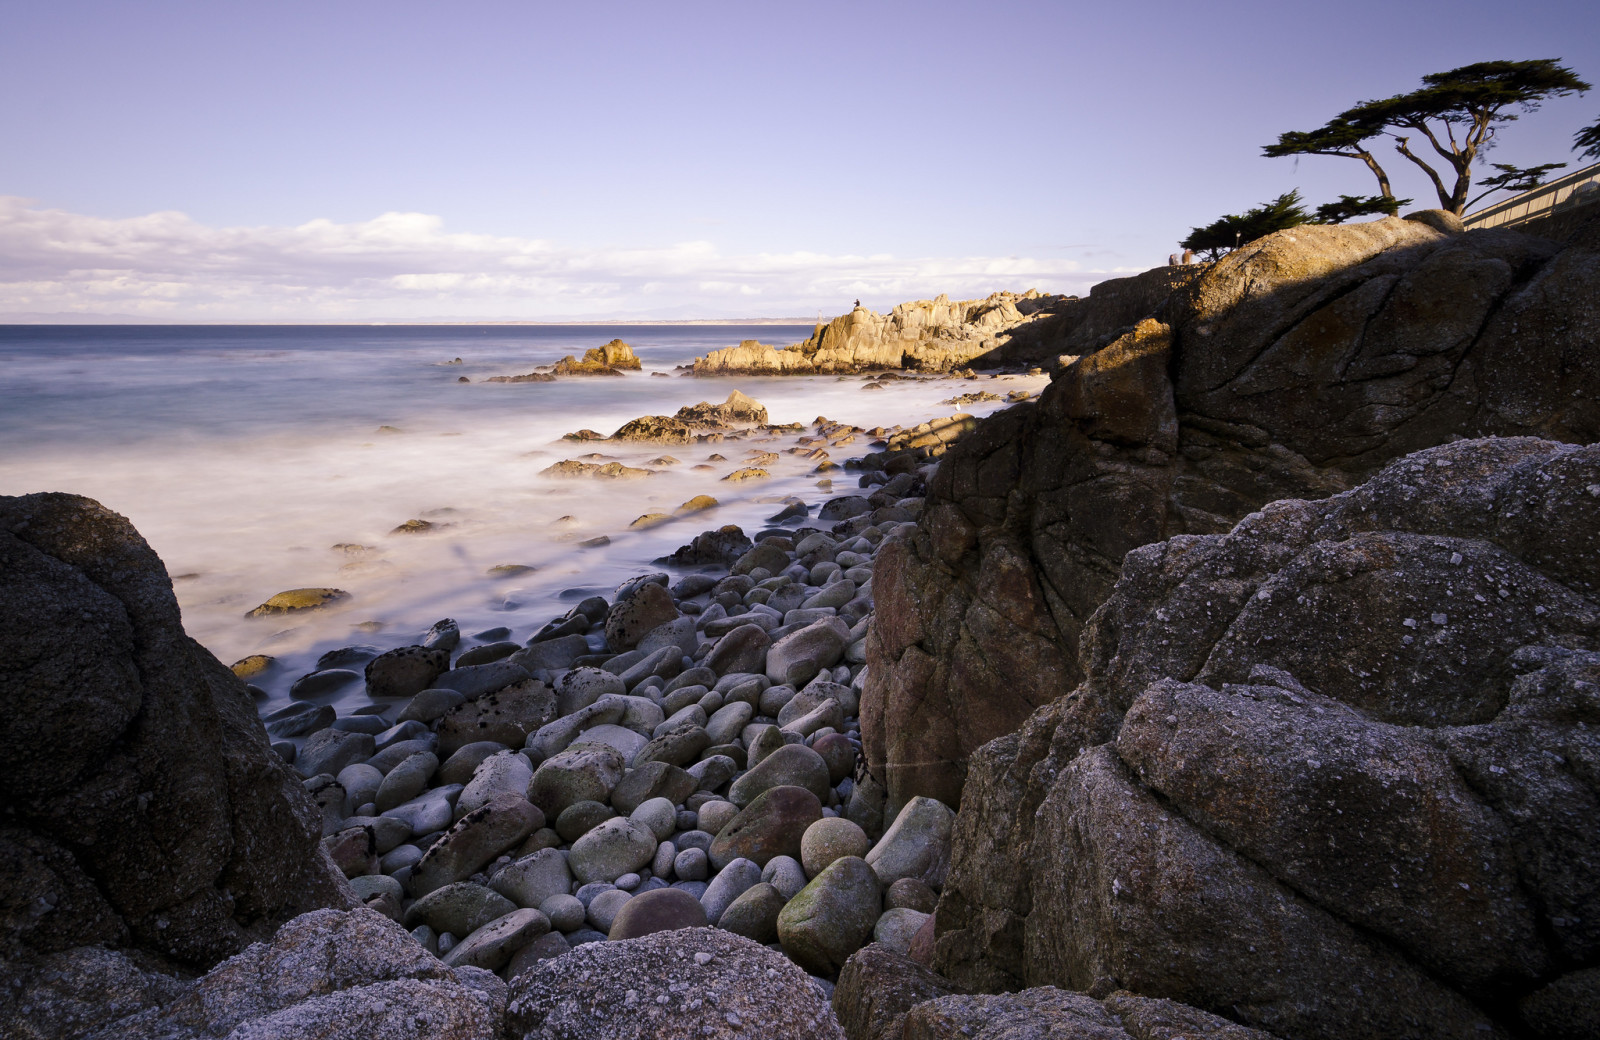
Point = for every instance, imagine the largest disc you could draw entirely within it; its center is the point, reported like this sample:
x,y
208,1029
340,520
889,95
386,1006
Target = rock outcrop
x,y
144,808
927,335
1295,367
692,422
612,359
1332,774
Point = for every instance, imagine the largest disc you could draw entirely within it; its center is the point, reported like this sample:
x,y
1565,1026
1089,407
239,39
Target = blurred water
x,y
244,454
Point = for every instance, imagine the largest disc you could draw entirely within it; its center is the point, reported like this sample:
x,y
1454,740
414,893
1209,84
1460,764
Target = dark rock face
x,y
1295,368
1346,749
144,807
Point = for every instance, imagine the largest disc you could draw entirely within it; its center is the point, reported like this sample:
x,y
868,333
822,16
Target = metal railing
x,y
1579,188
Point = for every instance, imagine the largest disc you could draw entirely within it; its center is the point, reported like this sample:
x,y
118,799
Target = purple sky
x,y
357,160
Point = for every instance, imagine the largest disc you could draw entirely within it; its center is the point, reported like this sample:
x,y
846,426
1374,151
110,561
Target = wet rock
x,y
916,845
791,765
506,715
405,671
584,772
295,600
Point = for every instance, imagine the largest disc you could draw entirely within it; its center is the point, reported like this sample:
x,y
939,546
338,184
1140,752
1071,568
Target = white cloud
x,y
399,266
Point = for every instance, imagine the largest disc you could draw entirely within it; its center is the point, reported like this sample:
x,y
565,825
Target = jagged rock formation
x,y
143,806
693,420
927,335
608,360
1293,368
1332,774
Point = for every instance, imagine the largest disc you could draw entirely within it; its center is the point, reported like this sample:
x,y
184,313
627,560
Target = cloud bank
x,y
406,266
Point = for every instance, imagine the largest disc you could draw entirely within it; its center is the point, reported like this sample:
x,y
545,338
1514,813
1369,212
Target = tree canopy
x,y
1349,207
1235,229
1588,139
1456,112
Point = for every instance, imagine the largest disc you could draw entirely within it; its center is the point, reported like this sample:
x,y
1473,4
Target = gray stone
x,y
916,845
793,765
658,815
659,910
581,687
429,812
829,839
429,704
603,909
330,750
786,874
652,780
831,917
475,840
405,671
729,883
505,772
754,914
566,912
800,655
475,681
531,880
614,848
492,945
406,780
742,649
583,772
459,908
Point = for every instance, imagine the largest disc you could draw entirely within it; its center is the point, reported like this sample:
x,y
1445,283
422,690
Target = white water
x,y
244,455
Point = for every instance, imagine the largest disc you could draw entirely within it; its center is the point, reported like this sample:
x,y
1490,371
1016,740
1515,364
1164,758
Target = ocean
x,y
248,455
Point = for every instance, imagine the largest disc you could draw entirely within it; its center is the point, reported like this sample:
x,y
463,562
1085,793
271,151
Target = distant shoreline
x,y
25,320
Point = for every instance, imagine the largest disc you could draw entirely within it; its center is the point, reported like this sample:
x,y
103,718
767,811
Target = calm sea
x,y
244,454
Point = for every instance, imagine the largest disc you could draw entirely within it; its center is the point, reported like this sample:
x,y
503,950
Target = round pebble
x,y
628,882
565,912
692,865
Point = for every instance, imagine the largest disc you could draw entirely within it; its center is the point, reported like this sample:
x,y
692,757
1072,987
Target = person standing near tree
x,y
1188,256
1172,260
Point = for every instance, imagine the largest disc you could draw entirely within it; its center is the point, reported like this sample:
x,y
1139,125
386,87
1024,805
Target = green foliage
x,y
1589,140
1350,207
1457,112
1233,230
1514,179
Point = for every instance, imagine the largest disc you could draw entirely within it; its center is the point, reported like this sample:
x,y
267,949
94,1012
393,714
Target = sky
x,y
355,160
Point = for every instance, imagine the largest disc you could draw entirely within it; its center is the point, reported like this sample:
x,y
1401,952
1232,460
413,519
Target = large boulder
x,y
353,975
1346,749
144,807
1294,368
686,982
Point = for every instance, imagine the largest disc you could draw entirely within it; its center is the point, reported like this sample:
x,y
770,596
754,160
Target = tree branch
x,y
1438,185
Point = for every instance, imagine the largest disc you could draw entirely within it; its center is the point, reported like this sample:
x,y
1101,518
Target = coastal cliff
x,y
1295,368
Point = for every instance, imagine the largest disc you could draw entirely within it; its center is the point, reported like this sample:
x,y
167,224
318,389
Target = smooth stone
x,y
406,781
798,656
491,946
403,733
729,883
693,840
627,742
896,928
827,715
603,908
566,911
911,894
786,875
505,772
793,765
360,782
839,754
728,721
659,910
658,815
614,848
460,767
474,681
474,841
506,715
304,718
532,879
771,825
583,936
548,946
581,687
691,865
580,818
385,761
460,908
916,845
763,742
586,892
487,653
663,663
713,772
429,812
398,857
387,833
831,917
328,680
743,649
661,862
652,780
692,714
330,750
429,704
829,839
754,914
369,724
678,746
713,816
583,772
774,699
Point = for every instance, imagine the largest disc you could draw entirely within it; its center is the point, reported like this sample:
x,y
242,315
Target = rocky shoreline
x,y
1323,764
